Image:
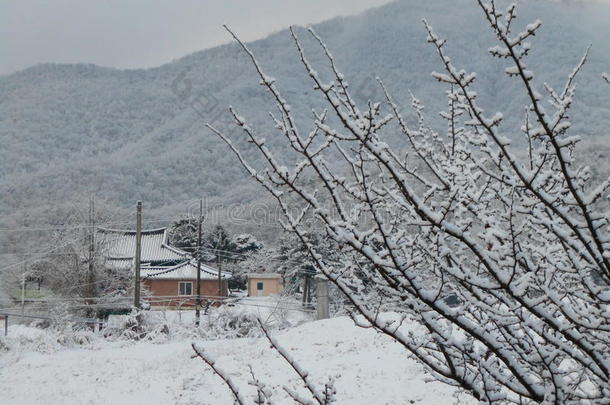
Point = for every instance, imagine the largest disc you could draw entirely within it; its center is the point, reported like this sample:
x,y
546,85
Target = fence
x,y
95,322
175,302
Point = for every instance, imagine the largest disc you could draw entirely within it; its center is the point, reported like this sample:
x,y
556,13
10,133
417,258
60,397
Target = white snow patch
x,y
369,369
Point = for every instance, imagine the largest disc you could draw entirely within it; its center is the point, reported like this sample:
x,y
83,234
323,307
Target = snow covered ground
x,y
369,369
271,310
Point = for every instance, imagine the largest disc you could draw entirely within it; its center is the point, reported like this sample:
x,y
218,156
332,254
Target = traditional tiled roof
x,y
182,271
159,260
121,245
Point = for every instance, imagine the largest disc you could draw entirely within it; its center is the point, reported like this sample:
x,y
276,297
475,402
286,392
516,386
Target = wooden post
x,y
198,300
219,277
23,296
322,297
305,288
90,275
136,294
5,325
309,283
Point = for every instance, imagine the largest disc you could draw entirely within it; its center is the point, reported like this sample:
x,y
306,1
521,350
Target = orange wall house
x,y
176,285
176,293
264,284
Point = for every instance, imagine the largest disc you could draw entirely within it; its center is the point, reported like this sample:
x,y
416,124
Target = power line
x,y
231,255
68,227
39,252
40,255
153,220
126,302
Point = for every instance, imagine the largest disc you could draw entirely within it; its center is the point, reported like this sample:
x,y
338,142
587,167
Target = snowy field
x,y
271,310
368,367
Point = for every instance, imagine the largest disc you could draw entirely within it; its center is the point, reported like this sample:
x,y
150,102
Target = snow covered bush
x,y
138,325
156,326
27,338
504,260
229,323
3,345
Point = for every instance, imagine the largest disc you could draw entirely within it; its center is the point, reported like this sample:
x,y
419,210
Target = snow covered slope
x,y
369,369
66,130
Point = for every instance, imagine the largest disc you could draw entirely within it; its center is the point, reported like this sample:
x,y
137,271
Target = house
x,y
168,273
176,285
263,284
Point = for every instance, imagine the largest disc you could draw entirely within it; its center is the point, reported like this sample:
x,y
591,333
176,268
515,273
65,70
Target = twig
x,y
220,373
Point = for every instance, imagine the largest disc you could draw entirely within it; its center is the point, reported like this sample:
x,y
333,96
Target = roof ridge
x,y
204,268
129,231
175,249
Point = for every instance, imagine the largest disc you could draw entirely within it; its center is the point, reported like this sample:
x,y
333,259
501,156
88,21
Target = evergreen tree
x,y
183,234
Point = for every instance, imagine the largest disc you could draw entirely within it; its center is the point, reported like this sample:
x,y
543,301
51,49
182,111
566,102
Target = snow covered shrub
x,y
280,313
41,323
81,337
138,325
229,323
27,338
4,347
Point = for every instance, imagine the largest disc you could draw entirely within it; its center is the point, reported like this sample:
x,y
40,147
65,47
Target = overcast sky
x,y
144,33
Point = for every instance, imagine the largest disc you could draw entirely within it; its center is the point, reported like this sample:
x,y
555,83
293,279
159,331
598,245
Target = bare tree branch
x,y
519,246
199,352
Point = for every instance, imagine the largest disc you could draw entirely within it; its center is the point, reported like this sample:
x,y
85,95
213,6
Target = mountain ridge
x,y
126,134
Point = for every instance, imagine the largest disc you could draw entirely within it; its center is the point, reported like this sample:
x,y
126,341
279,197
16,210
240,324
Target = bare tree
x,y
69,273
517,242
75,268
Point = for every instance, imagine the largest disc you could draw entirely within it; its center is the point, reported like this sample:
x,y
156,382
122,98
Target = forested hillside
x,y
67,130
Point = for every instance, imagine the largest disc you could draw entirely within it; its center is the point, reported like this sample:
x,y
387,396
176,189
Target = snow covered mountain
x,y
130,134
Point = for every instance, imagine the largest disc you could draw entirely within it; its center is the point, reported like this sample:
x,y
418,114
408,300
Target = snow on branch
x,y
325,398
209,360
263,394
502,260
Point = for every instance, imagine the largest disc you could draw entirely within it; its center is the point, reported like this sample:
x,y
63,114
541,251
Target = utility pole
x,y
23,295
219,274
304,298
305,289
309,287
198,300
136,293
90,275
322,297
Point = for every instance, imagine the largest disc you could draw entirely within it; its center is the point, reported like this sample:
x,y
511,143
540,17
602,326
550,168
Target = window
x,y
259,286
185,288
